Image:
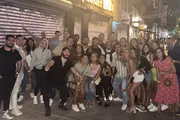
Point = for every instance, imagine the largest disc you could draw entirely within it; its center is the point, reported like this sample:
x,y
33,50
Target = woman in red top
x,y
168,91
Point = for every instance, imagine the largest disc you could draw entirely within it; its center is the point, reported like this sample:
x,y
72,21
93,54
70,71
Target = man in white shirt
x,y
120,77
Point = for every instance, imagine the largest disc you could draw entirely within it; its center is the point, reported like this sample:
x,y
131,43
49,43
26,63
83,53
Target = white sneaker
x,y
35,100
150,106
6,115
117,99
105,99
153,109
164,107
41,99
31,95
16,112
21,97
75,108
124,107
82,106
110,97
50,102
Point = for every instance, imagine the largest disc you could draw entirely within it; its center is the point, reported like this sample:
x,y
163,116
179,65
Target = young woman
x,y
29,49
146,52
80,52
106,75
84,69
168,90
134,44
142,67
92,79
40,58
124,43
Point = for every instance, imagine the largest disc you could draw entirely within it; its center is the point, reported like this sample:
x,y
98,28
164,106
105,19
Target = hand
x,y
81,78
23,27
0,76
140,72
47,68
91,85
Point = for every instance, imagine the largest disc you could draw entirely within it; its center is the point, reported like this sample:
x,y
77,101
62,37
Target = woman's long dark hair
x,y
82,50
28,48
163,54
143,53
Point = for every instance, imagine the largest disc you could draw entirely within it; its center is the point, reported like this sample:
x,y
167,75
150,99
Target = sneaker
x,y
117,99
21,97
105,99
31,95
178,113
141,108
41,99
82,106
164,107
75,108
153,109
35,100
150,106
110,97
16,112
6,115
50,102
124,107
62,107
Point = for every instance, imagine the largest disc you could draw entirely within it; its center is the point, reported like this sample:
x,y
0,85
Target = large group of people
x,y
137,73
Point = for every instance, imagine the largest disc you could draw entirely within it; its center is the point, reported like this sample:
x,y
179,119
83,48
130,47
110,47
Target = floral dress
x,y
170,94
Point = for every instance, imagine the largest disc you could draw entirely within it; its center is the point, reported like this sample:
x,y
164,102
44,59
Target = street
x,y
36,112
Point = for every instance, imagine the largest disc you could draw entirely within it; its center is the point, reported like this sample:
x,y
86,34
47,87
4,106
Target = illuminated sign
x,y
98,3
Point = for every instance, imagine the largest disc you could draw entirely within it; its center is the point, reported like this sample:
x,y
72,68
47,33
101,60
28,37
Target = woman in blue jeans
x,y
93,77
28,48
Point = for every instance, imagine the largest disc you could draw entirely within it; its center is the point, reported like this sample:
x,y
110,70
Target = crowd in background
x,y
139,73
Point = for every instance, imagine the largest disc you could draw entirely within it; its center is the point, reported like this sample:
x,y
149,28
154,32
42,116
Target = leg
x,y
64,93
24,82
124,91
116,84
38,80
86,88
33,81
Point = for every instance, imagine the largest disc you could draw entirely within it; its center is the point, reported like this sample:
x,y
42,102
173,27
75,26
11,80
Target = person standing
x,y
85,43
76,40
57,70
40,58
19,47
9,57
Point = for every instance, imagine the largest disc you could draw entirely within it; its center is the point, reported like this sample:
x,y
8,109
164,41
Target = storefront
x,y
36,17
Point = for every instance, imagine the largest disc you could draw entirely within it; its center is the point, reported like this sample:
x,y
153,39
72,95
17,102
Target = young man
x,y
9,57
76,39
57,69
85,43
18,46
120,77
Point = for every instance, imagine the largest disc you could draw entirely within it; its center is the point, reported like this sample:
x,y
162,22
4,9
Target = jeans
x,y
148,76
116,84
25,81
89,91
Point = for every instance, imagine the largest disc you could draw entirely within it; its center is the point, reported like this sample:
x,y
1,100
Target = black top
x,y
144,63
58,72
174,53
8,60
104,67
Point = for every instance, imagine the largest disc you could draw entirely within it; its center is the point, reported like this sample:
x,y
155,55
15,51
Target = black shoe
x,y
48,112
62,107
178,113
100,103
106,105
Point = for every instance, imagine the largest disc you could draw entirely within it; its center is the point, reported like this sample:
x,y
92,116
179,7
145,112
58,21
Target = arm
x,y
26,65
19,66
31,34
49,65
33,60
75,72
56,37
131,65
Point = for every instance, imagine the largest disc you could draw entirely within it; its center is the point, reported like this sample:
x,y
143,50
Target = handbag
x,y
168,82
98,81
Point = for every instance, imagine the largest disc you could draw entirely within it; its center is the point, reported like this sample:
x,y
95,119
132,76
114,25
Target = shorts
x,y
138,78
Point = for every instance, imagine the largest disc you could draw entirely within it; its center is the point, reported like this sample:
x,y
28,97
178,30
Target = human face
x,y
19,41
126,54
108,45
79,49
101,38
159,53
94,58
146,49
43,34
76,38
117,49
43,44
95,42
102,59
85,41
31,43
84,59
113,37
133,54
66,53
154,46
70,42
10,42
24,42
123,42
134,43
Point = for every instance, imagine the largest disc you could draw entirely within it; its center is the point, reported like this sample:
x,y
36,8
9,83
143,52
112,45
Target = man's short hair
x,y
17,36
9,36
